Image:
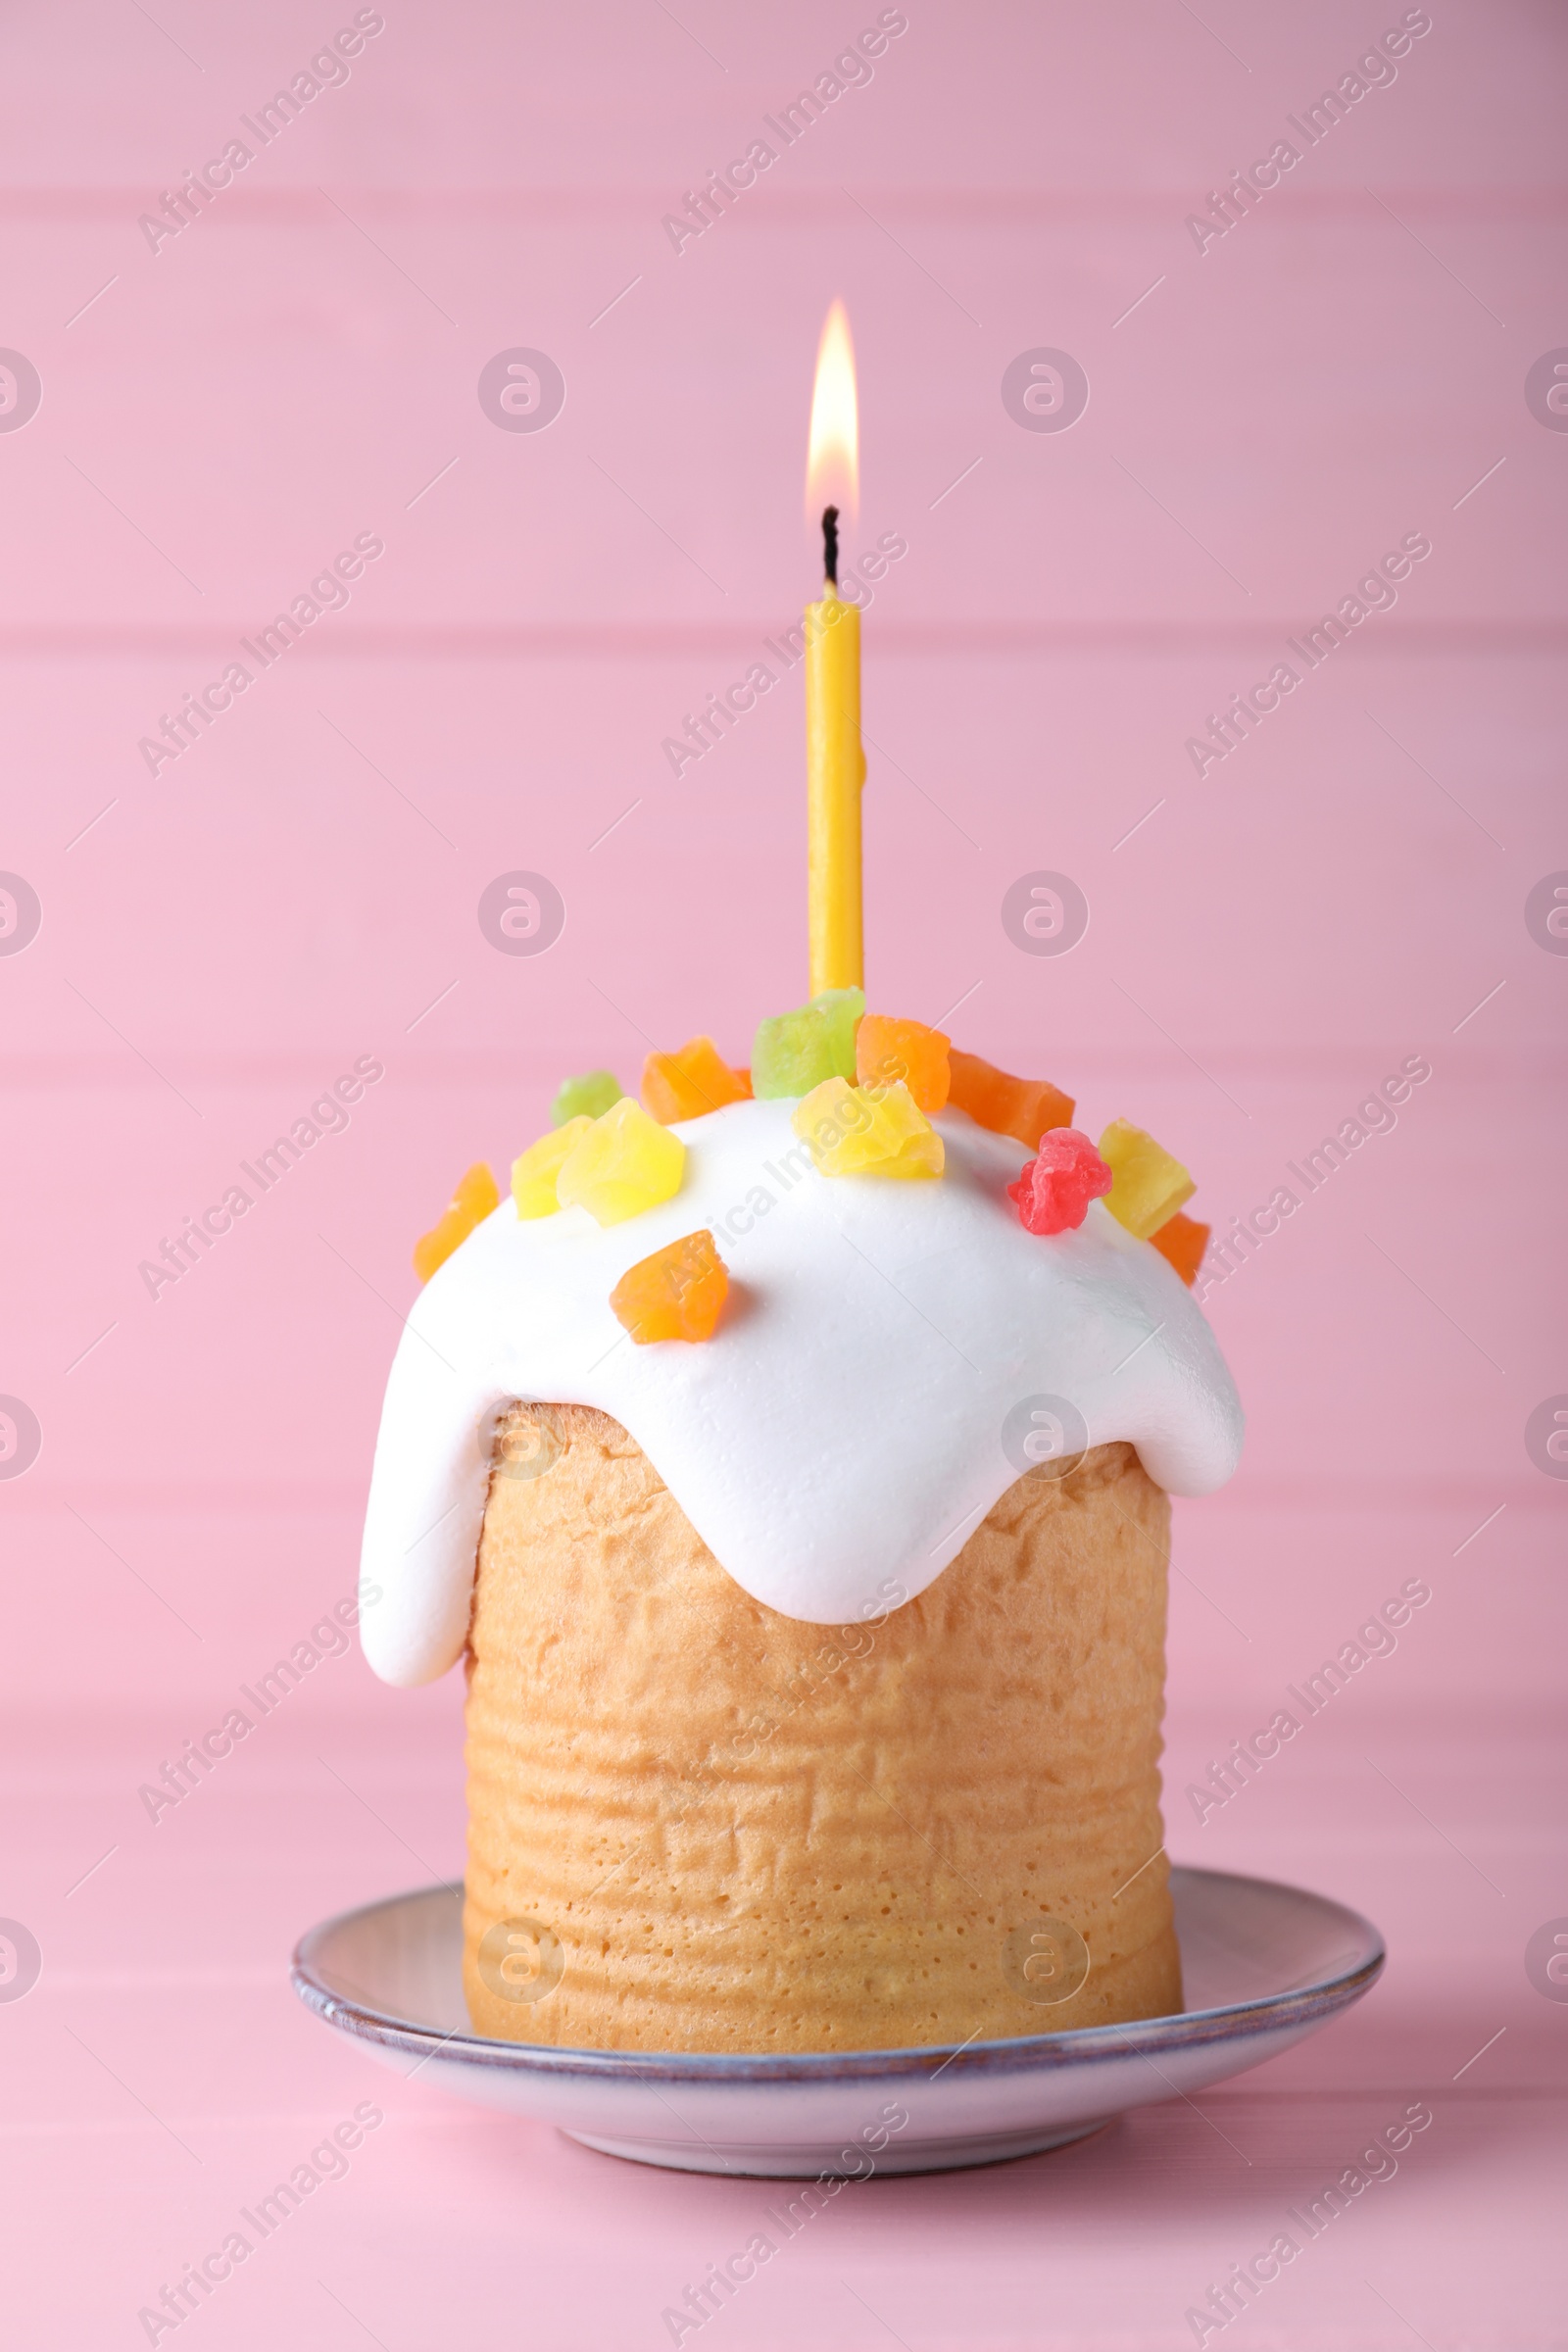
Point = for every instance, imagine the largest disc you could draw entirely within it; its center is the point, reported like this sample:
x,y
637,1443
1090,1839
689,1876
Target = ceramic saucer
x,y
1263,1965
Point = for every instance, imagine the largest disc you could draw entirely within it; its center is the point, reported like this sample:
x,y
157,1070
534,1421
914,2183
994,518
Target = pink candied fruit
x,y
1054,1189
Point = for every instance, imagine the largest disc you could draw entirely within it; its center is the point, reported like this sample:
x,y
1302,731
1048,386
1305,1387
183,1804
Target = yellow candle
x,y
835,766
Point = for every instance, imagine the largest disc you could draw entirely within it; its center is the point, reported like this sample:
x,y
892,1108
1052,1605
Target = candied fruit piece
x,y
677,1294
1148,1186
840,1011
1025,1107
477,1194
787,1055
621,1165
793,1051
684,1085
1054,1189
585,1098
850,1133
887,1050
1182,1241
534,1171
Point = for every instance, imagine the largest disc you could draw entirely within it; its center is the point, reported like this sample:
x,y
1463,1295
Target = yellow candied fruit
x,y
1147,1186
624,1163
534,1171
477,1194
852,1132
677,1294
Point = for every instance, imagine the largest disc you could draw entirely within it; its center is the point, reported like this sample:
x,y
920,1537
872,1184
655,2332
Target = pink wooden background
x,y
1266,417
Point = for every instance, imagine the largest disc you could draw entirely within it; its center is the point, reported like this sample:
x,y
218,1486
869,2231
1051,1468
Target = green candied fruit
x,y
794,1052
585,1098
841,1010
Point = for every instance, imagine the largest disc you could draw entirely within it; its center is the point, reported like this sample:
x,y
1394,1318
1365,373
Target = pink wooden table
x,y
1364,357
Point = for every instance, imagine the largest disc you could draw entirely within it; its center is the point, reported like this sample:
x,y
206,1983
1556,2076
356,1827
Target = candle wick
x,y
830,544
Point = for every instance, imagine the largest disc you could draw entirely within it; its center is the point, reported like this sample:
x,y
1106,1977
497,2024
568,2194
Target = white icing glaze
x,y
840,1437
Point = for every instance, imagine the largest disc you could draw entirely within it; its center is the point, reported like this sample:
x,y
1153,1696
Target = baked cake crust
x,y
696,1824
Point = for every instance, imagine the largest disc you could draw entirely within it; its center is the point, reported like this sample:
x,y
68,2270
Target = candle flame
x,y
833,453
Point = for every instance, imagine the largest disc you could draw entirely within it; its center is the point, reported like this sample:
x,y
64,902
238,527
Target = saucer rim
x,y
1296,2008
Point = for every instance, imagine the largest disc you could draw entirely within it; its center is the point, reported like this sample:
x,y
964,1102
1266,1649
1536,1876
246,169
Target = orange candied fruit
x,y
890,1052
1182,1241
1024,1107
697,1079
677,1294
477,1194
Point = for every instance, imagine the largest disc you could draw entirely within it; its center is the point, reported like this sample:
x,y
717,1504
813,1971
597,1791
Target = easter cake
x,y
787,1458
